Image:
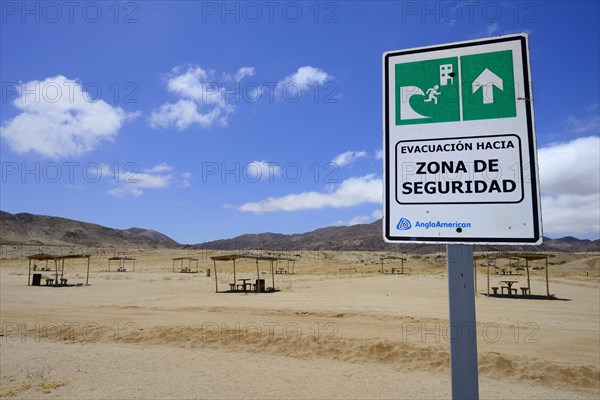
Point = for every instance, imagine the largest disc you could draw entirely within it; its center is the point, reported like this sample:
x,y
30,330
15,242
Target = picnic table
x,y
244,284
508,286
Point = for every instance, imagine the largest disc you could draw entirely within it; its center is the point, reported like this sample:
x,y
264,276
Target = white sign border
x,y
388,196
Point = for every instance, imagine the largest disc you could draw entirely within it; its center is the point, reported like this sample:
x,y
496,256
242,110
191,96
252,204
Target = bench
x,y
524,290
495,289
232,286
348,269
63,282
49,281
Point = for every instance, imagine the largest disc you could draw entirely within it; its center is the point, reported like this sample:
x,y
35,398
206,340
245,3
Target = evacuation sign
x,y
460,155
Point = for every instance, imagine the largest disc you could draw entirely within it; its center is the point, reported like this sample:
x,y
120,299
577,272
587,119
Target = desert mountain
x,y
367,237
152,235
24,228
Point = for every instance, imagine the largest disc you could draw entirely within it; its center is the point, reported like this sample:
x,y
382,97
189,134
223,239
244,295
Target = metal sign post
x,y
463,337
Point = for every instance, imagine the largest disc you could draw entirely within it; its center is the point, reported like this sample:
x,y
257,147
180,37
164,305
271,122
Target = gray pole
x,y
463,337
475,274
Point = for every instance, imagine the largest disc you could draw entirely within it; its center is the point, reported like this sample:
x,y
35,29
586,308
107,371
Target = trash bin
x,y
208,272
36,280
260,285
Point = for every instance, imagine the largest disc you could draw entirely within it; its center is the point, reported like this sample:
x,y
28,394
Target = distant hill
x,y
25,228
152,235
367,237
34,229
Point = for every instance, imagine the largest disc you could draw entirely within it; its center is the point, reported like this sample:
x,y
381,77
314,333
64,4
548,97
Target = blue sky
x,y
205,120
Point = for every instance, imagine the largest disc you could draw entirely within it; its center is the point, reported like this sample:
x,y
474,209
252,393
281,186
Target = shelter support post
x,y
547,284
257,272
234,275
402,264
55,271
488,275
216,280
273,275
87,275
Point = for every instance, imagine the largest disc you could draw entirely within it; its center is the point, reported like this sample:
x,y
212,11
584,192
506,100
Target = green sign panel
x,y
488,86
428,91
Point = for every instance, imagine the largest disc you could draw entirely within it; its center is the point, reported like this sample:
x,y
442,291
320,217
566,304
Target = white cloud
x,y
571,214
162,167
377,214
493,28
195,83
362,219
185,113
571,168
303,79
202,100
348,157
379,154
351,192
570,186
185,179
134,183
244,72
262,170
586,125
59,119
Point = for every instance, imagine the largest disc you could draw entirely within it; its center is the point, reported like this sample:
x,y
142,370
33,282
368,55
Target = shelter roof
x,y
231,257
42,256
45,256
392,258
524,256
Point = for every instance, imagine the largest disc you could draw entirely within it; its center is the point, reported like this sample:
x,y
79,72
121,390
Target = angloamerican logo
x,y
405,224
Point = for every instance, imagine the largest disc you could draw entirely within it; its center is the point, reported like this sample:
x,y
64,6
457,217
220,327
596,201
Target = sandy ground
x,y
328,333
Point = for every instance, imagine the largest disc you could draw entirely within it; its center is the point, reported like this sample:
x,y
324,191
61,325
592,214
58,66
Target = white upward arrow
x,y
487,79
